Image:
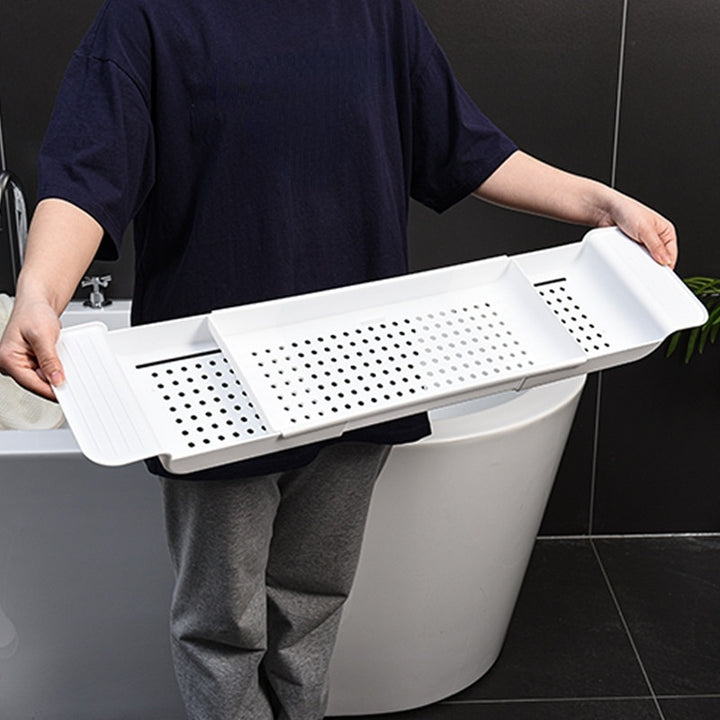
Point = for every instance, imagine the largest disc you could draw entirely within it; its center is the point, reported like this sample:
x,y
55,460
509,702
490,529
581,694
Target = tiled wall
x,y
640,454
640,458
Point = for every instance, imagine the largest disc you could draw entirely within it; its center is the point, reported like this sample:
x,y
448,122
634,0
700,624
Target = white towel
x,y
20,409
8,637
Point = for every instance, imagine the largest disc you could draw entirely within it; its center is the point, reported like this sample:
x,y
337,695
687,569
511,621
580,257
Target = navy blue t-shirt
x,y
262,149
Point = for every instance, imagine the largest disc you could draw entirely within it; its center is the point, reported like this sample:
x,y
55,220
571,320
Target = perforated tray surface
x,y
245,381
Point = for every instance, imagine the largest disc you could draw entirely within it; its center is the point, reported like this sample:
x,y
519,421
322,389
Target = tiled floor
x,y
605,629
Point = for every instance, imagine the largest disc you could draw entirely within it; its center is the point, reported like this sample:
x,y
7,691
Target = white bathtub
x,y
85,580
451,527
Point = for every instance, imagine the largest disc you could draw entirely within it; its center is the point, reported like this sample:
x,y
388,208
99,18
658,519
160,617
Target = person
x,y
263,150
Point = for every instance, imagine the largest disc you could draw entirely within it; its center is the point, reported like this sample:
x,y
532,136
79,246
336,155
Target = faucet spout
x,y
14,210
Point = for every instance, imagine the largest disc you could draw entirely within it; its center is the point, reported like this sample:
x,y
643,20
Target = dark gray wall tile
x,y
553,92
658,430
669,142
658,417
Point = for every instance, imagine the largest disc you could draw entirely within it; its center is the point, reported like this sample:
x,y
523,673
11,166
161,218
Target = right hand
x,y
62,241
27,347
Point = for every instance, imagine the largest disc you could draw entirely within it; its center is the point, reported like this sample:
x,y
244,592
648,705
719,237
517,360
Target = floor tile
x,y
566,639
543,710
669,593
691,708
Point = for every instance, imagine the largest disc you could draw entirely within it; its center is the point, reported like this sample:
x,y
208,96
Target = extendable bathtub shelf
x,y
241,382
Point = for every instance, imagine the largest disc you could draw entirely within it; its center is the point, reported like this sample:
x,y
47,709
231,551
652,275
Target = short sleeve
x,y
455,146
98,151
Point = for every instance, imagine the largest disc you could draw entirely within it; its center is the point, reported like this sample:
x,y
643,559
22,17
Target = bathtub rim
x,y
501,413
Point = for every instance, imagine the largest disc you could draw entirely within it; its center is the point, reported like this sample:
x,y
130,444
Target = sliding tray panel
x,y
344,358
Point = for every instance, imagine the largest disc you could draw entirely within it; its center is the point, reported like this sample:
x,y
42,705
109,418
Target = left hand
x,y
643,225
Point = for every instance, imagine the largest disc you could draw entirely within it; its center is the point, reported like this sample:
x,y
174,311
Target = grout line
x,y
657,535
595,455
632,536
613,182
520,701
613,179
618,97
609,698
627,629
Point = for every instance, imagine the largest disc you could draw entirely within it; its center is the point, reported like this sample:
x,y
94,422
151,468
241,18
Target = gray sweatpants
x,y
263,567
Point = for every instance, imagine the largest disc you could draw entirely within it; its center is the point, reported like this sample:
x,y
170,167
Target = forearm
x,y
526,184
62,242
530,185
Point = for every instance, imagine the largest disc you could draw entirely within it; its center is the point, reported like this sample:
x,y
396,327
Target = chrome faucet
x,y
97,298
13,209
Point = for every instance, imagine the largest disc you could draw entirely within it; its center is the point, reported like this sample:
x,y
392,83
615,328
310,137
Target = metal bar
x,y
3,165
9,182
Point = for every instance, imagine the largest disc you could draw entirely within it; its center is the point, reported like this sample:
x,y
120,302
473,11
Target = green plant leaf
x,y
707,290
674,342
714,332
692,341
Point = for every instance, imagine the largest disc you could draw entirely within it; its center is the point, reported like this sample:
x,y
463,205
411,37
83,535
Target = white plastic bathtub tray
x,y
241,382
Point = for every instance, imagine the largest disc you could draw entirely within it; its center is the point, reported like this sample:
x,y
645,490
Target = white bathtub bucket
x,y
450,531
